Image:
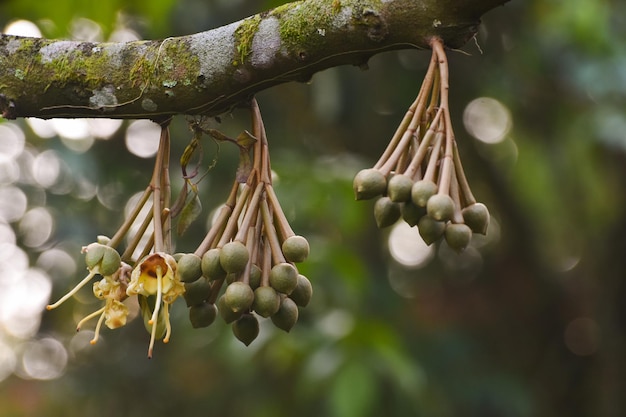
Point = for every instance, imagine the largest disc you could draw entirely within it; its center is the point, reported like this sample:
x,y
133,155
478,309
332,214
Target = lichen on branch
x,y
210,72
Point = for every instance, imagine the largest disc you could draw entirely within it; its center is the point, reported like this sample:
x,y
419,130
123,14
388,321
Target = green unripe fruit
x,y
196,292
284,277
476,216
458,236
103,258
303,292
246,329
255,276
202,315
188,267
226,313
440,207
287,315
412,213
421,191
266,301
399,188
295,248
430,229
211,266
234,257
238,296
386,212
369,183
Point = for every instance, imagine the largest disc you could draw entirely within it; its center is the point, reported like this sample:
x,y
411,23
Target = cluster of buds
x,y
419,177
250,250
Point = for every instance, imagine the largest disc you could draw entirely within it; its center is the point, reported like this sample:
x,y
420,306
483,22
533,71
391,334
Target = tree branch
x,y
210,72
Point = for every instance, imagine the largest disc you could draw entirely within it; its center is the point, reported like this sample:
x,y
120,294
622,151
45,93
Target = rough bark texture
x,y
210,72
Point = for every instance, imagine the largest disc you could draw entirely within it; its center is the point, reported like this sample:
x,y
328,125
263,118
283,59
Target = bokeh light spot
x,y
487,119
11,141
142,138
46,168
12,203
36,227
44,359
407,247
582,336
8,361
22,28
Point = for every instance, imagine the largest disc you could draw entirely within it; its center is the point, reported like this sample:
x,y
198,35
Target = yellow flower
x,y
156,276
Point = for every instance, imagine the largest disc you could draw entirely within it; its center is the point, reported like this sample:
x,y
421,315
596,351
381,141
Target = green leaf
x,y
353,392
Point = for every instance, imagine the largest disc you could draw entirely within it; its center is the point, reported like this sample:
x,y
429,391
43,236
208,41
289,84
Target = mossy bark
x,y
210,72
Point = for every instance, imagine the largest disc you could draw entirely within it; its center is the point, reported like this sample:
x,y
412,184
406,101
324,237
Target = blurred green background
x,y
529,321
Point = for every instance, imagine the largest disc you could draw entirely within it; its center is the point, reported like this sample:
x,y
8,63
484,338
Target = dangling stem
x,y
270,233
121,232
156,185
137,238
466,191
251,211
446,170
220,223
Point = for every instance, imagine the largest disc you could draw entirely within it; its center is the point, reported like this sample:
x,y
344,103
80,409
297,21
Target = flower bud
x,y
202,315
303,292
421,191
238,296
234,257
104,259
295,249
386,212
246,328
227,314
189,267
211,266
287,315
369,183
284,277
430,229
266,301
196,292
440,207
476,216
399,188
412,213
458,236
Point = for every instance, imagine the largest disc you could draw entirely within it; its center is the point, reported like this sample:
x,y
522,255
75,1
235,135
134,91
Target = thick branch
x,y
210,72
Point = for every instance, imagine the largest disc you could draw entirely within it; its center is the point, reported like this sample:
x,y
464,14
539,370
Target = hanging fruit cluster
x,y
250,250
419,177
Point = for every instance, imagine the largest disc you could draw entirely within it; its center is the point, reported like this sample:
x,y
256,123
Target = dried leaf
x,y
246,139
245,165
189,213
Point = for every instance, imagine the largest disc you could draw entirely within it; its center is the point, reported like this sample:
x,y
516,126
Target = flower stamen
x,y
89,317
72,291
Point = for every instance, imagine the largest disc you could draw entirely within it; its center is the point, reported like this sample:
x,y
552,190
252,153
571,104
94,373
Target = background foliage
x,y
529,323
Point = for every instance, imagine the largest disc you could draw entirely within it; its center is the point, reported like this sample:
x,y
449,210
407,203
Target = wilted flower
x,y
112,289
155,276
